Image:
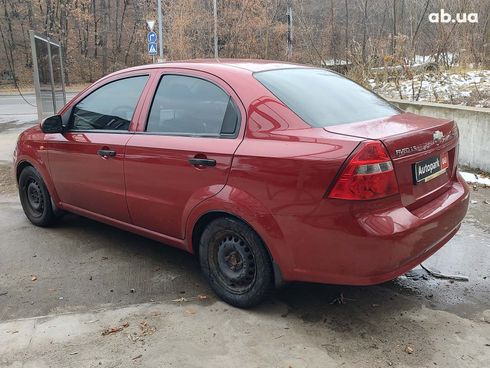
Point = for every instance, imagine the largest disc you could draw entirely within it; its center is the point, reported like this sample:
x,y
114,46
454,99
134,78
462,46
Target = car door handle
x,y
106,153
202,162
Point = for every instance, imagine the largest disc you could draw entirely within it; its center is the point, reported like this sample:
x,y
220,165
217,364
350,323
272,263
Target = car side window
x,y
110,107
186,105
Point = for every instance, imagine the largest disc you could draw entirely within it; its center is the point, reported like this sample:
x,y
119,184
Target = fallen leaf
x,y
190,311
408,349
180,300
33,278
112,330
74,353
146,329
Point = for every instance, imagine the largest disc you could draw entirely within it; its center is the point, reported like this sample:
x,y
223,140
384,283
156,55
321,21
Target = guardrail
x,y
474,128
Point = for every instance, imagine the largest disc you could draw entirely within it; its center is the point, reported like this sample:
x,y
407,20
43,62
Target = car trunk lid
x,y
423,151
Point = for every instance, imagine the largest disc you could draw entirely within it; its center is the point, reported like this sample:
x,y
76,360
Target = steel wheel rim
x,y
235,263
34,197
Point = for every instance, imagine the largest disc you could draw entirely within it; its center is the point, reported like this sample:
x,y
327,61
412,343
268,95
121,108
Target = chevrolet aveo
x,y
269,172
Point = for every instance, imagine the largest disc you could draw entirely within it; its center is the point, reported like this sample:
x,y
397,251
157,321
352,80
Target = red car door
x,y
182,153
86,161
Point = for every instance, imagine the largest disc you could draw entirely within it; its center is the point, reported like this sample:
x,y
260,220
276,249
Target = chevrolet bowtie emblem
x,y
437,136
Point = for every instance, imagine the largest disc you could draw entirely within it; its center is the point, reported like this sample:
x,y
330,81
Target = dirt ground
x,y
7,180
89,277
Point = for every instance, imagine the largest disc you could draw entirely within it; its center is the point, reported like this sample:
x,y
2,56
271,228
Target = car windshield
x,y
322,98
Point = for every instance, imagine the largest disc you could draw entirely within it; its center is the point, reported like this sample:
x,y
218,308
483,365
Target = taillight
x,y
368,175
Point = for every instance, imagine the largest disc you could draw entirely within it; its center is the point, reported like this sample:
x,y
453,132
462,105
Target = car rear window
x,y
322,98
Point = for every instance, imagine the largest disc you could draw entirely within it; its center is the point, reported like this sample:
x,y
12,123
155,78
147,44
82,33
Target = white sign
x,y
151,24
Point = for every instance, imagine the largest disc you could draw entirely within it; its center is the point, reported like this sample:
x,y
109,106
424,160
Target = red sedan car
x,y
269,172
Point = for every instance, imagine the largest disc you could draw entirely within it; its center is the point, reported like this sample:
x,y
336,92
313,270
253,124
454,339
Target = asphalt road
x,y
15,115
61,287
14,110
13,105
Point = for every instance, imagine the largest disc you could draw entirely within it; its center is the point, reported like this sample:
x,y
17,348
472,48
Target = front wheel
x,y
35,198
236,263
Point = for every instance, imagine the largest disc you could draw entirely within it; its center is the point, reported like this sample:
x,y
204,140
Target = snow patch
x,y
469,88
475,178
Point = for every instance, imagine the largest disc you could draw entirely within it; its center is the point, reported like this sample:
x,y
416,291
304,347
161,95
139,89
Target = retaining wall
x,y
474,129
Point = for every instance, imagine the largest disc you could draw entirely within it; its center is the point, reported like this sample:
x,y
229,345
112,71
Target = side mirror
x,y
53,124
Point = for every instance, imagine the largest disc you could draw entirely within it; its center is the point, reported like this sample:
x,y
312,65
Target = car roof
x,y
216,65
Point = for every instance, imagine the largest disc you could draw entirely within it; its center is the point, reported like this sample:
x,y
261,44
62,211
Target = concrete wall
x,y
474,129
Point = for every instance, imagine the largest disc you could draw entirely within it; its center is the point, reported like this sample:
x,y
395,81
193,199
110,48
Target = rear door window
x,y
322,98
185,105
110,107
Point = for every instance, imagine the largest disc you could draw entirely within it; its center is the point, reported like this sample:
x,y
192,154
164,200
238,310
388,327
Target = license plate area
x,y
430,168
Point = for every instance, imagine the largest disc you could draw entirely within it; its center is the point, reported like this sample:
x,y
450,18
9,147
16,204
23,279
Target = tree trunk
x,y
393,35
364,33
346,31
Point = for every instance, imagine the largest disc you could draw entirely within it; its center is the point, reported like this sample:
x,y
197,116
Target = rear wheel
x,y
236,263
35,198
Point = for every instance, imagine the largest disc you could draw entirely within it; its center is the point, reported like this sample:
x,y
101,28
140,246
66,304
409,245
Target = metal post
x,y
51,75
215,30
160,28
35,70
62,74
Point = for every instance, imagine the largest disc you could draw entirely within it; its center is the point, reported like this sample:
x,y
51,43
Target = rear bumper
x,y
345,244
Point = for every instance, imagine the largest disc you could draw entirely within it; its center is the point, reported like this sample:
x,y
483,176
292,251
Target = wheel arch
x,y
21,166
207,218
240,204
23,163
210,216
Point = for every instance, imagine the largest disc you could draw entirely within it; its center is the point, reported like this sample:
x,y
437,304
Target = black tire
x,y
35,198
236,262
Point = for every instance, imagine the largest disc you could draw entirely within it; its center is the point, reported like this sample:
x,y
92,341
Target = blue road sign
x,y
152,48
152,37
